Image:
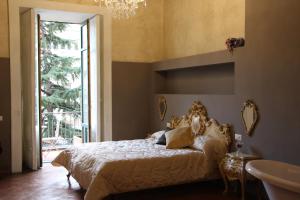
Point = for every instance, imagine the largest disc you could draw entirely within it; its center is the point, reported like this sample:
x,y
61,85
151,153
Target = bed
x,y
121,166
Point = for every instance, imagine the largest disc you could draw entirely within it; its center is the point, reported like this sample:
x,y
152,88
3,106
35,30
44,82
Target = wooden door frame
x,y
15,7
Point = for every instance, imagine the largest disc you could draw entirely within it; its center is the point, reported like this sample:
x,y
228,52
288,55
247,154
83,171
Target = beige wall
x,y
201,26
138,39
165,29
4,50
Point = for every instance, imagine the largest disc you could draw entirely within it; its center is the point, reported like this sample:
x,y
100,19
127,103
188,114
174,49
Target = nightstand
x,y
232,167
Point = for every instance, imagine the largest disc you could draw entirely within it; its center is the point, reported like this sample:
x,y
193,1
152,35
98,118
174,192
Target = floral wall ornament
x,y
162,107
232,43
249,116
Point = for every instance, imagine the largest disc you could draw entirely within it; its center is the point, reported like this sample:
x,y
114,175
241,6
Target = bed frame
x,y
198,109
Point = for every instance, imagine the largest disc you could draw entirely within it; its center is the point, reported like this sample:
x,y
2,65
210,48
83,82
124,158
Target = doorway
x,y
26,95
63,86
30,152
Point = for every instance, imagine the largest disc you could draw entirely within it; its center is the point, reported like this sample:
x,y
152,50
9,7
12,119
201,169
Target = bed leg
x,y
68,175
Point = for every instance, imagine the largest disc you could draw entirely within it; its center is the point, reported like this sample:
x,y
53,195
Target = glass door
x,y
85,92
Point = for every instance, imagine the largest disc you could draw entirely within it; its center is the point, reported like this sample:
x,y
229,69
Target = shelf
x,y
196,95
202,60
211,73
214,79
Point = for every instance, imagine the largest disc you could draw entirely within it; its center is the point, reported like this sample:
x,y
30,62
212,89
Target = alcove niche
x,y
202,74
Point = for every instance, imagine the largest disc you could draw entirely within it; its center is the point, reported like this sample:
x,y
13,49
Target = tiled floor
x,y
50,183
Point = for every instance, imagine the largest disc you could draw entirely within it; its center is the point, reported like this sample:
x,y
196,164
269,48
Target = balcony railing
x,y
60,129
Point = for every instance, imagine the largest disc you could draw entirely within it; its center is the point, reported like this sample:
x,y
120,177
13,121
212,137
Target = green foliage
x,y
58,72
57,75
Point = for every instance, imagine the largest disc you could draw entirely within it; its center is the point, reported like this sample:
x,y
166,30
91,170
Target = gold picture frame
x,y
162,107
250,116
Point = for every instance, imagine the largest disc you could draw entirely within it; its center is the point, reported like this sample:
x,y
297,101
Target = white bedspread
x,y
115,167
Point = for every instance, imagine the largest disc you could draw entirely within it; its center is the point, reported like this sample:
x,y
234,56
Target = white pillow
x,y
214,131
211,146
199,142
157,134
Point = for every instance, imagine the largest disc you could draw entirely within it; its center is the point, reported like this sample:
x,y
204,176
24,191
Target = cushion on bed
x,y
179,138
157,134
214,131
199,142
212,142
162,139
212,146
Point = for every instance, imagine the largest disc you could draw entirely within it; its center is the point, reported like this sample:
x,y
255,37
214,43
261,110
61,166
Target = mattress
x,y
121,166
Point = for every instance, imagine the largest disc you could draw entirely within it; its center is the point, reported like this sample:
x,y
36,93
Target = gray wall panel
x,y
5,156
131,100
267,70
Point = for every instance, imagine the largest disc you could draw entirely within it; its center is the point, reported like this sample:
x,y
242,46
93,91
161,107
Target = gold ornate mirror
x,y
249,116
162,107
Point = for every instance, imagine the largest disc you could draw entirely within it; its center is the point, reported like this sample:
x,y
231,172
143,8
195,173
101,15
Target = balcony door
x,y
60,66
91,80
30,90
85,82
23,73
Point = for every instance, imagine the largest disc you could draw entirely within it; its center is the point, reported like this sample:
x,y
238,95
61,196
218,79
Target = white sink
x,y
281,180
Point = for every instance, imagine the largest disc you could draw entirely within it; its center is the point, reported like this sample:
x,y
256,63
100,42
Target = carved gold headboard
x,y
211,125
186,120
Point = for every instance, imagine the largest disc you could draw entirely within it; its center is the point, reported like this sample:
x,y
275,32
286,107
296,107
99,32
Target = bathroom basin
x,y
281,180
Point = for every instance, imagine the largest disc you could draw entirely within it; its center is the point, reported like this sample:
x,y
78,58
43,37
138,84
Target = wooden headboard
x,y
206,124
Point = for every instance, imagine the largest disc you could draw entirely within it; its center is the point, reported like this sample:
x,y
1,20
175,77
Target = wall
x,y
201,26
4,49
5,112
140,38
4,89
131,100
131,36
165,29
267,71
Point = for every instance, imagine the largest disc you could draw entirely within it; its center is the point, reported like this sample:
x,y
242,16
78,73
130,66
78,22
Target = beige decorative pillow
x,y
179,138
214,131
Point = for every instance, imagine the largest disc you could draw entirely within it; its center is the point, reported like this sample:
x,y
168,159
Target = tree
x,y
57,74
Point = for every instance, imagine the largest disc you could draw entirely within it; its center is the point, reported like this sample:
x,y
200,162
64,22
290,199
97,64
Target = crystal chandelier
x,y
122,8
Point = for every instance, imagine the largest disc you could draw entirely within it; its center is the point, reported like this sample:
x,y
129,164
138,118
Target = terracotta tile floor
x,y
50,183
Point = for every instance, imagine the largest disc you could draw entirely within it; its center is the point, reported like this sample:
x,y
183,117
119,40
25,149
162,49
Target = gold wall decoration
x,y
162,106
249,116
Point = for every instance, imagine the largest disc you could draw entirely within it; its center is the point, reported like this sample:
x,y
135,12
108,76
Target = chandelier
x,y
122,8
